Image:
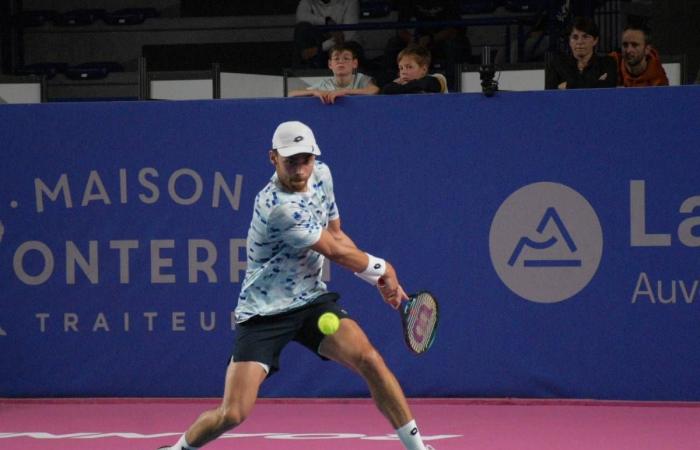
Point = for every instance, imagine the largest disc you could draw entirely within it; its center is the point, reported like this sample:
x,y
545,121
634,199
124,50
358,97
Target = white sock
x,y
182,444
410,436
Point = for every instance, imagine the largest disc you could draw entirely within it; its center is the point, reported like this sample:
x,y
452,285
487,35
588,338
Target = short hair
x,y
586,25
340,48
646,31
418,52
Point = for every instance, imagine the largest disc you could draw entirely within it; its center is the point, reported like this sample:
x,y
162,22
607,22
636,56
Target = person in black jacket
x,y
582,68
414,62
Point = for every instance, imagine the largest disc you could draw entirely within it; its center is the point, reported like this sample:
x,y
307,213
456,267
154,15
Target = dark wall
x,y
675,27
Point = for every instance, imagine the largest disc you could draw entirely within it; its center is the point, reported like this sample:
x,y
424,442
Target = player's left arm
x,y
338,234
339,248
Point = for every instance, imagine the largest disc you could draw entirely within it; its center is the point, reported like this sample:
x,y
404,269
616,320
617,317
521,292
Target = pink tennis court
x,y
322,424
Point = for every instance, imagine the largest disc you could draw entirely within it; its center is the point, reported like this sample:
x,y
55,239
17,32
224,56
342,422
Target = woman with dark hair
x,y
582,68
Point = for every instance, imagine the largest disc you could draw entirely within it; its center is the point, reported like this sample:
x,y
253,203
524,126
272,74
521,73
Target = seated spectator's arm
x,y
301,93
663,80
392,88
608,78
659,78
305,13
552,74
370,89
427,84
328,97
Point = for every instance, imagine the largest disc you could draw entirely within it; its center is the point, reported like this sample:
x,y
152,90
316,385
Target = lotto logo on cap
x,y
294,137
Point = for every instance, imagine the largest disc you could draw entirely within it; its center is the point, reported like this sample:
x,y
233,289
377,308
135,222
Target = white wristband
x,y
376,267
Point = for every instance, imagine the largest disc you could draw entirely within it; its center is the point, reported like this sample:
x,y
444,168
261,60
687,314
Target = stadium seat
x,y
47,69
130,16
478,6
35,18
525,5
93,70
374,8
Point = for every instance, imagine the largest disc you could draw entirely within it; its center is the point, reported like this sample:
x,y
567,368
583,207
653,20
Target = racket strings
x,y
421,321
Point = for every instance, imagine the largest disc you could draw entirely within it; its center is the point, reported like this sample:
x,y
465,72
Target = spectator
x,y
414,62
346,80
312,44
582,68
638,64
549,21
448,45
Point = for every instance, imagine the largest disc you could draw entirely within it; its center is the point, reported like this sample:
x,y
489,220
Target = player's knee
x,y
371,362
231,417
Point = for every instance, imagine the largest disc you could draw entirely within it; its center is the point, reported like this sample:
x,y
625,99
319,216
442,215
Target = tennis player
x,y
295,225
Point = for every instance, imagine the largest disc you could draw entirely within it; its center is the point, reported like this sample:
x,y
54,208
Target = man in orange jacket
x,y
638,64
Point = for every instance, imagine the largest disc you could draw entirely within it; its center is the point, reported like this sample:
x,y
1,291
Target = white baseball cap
x,y
294,137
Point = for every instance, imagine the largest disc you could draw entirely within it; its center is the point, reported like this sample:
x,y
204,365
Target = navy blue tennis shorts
x,y
262,338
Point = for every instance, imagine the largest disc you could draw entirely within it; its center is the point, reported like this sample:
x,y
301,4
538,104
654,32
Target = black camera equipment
x,y
487,70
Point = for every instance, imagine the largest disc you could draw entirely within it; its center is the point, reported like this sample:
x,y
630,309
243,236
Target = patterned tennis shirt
x,y
283,272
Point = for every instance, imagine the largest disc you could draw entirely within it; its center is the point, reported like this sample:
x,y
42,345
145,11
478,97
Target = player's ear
x,y
273,156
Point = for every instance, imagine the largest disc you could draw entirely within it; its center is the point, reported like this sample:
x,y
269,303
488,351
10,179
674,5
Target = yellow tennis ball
x,y
328,323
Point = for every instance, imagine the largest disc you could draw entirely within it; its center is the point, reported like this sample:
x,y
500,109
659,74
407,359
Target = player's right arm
x,y
344,252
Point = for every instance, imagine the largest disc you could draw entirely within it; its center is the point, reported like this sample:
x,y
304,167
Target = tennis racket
x,y
419,317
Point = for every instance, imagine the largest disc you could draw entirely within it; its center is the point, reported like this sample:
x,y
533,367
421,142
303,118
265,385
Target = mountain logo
x,y
546,242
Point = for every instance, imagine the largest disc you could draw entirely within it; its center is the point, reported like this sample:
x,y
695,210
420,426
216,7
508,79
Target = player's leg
x,y
351,347
243,380
259,341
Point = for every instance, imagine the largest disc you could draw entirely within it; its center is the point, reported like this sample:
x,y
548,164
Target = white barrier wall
x,y
20,92
245,85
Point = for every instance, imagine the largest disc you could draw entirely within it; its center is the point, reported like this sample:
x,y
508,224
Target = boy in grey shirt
x,y
346,80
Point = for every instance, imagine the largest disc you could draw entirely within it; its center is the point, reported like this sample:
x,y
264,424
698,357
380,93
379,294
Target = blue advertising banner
x,y
559,230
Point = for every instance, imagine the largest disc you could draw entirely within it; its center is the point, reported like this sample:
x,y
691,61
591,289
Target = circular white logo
x,y
546,242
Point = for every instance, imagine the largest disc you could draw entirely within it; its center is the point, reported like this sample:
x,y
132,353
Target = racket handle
x,y
381,284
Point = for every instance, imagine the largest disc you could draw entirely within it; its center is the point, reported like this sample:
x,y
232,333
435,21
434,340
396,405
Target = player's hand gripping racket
x,y
419,317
